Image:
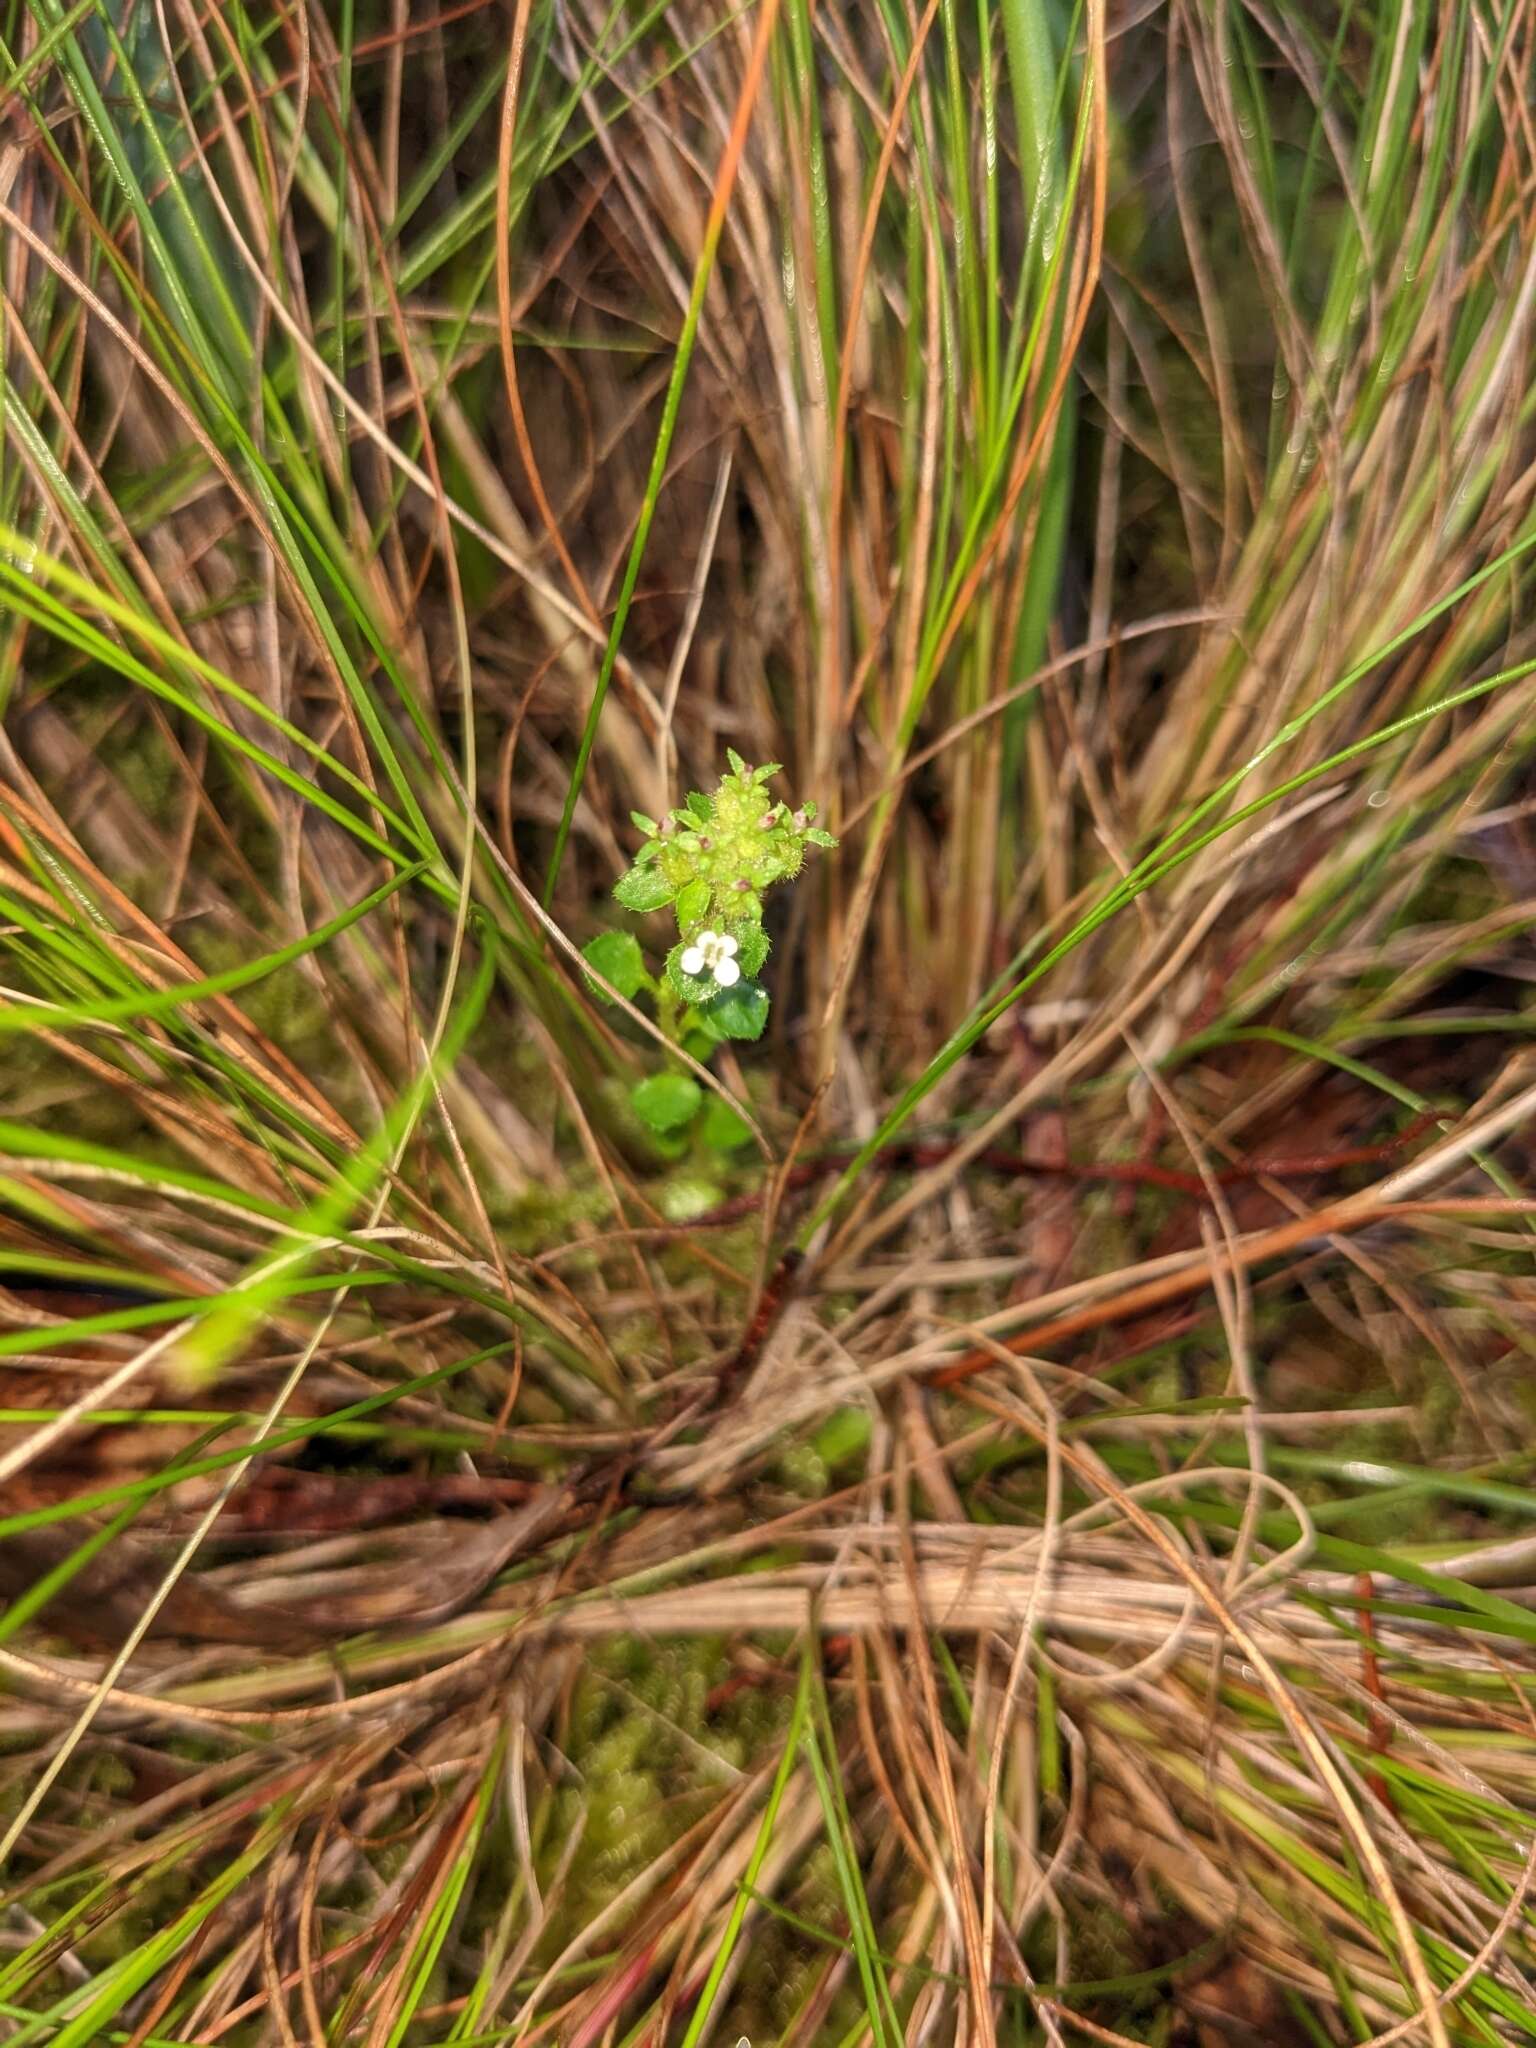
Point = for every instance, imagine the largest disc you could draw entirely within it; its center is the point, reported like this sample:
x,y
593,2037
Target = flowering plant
x,y
710,862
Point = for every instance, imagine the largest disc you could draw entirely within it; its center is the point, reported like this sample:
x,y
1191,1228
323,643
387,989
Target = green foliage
x,y
843,1436
753,947
643,889
712,859
667,1101
692,904
721,1129
715,857
698,989
617,958
742,1012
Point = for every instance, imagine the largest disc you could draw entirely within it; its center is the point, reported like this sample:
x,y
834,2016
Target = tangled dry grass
x,y
1033,1547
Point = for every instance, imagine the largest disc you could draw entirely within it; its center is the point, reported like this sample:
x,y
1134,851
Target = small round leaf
x,y
644,888
667,1101
616,957
741,1012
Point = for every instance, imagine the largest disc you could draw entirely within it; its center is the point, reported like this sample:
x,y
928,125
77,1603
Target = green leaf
x,y
698,989
644,824
643,888
751,946
700,806
767,774
742,1011
616,956
667,1101
819,838
738,766
843,1435
722,1129
692,904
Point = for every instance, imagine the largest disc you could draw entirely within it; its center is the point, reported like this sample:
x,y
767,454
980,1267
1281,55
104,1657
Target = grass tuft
x,y
990,1500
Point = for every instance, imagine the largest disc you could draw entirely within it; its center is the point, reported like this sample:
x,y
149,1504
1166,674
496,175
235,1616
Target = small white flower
x,y
713,953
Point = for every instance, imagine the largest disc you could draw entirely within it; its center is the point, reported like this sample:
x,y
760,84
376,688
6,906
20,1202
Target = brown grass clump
x,y
1017,1532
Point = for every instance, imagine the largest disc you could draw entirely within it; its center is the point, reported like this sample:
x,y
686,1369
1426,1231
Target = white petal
x,y
708,941
728,946
727,972
692,961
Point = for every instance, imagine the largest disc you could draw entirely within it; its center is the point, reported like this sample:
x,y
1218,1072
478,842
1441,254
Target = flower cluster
x,y
714,856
